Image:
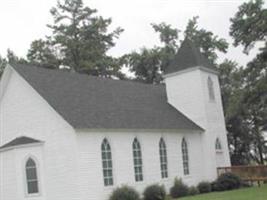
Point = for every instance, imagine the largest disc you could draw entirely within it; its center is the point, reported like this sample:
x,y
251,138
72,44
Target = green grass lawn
x,y
253,193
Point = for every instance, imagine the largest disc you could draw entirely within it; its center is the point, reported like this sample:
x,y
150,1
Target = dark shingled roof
x,y
188,56
19,141
97,103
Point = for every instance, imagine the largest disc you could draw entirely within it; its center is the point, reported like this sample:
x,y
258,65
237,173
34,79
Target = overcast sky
x,y
22,21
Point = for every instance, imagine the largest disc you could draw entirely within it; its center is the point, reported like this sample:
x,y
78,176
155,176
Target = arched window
x,y
163,158
137,159
185,157
211,89
107,163
218,145
31,177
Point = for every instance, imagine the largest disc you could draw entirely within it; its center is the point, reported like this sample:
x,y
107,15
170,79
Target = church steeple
x,y
188,56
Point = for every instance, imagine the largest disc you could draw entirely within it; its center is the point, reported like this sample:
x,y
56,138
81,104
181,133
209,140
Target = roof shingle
x,y
188,56
88,102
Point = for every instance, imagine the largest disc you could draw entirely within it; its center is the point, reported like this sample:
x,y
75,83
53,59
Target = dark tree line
x,y
81,38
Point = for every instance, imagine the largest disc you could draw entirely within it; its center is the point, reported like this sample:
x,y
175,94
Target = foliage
x,y
193,191
228,181
154,192
149,64
205,40
146,65
249,24
80,40
179,189
43,53
3,63
124,193
12,58
204,187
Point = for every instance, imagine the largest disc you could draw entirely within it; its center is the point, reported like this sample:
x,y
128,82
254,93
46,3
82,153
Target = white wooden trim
x,y
189,70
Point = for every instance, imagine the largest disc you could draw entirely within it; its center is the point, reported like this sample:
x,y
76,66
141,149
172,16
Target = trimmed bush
x,y
214,186
125,193
154,192
204,187
228,181
179,189
193,191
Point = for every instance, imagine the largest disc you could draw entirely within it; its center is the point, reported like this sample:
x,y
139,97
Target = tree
x,y
12,58
146,65
163,55
3,64
83,38
249,26
205,40
169,38
43,53
232,90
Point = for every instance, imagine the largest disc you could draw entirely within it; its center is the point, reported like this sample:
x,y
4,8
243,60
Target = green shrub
x,y
228,181
204,187
125,193
154,192
179,189
214,186
193,191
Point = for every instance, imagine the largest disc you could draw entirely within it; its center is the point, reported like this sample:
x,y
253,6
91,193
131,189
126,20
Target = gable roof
x,y
188,56
88,102
19,141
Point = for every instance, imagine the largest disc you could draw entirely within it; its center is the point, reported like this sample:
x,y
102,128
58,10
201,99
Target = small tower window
x,y
31,177
218,145
211,89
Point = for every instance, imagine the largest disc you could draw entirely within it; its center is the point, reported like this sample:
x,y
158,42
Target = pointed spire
x,y
188,56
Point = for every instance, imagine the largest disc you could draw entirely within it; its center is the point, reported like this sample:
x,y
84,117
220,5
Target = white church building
x,y
69,136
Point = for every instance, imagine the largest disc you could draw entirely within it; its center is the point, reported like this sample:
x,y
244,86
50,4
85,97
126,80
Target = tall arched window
x,y
163,158
185,157
107,163
211,89
31,177
137,159
218,145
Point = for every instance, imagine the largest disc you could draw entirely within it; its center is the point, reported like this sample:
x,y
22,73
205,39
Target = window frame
x,y
218,142
139,176
211,90
109,164
163,164
37,168
185,157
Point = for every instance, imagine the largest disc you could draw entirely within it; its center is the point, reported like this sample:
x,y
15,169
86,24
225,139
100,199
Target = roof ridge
x,y
68,72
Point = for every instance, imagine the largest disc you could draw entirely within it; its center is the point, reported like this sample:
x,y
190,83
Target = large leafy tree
x,y
249,26
42,53
83,38
232,90
208,43
149,64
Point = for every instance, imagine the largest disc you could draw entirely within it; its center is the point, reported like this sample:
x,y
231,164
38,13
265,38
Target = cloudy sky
x,y
25,20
